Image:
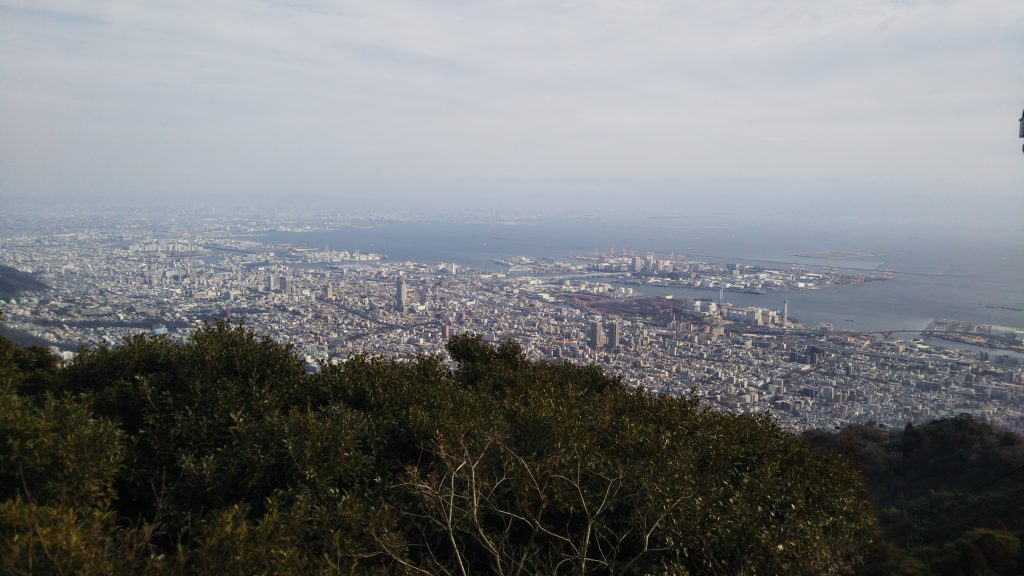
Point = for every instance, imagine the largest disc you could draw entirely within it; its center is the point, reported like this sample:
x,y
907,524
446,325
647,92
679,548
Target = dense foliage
x,y
949,494
224,456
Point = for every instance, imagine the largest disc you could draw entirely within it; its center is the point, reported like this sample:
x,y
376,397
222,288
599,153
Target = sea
x,y
940,271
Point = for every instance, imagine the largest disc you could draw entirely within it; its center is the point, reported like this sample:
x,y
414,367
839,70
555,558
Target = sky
x,y
508,104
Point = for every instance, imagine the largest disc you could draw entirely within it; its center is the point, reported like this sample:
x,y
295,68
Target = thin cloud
x,y
232,96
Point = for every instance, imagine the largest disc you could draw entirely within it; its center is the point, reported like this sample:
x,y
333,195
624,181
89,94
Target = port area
x,y
842,255
984,335
683,271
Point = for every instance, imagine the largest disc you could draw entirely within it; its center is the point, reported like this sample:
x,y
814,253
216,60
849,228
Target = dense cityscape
x,y
580,288
107,281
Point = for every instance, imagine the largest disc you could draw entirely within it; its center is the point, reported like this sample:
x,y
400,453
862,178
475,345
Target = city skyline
x,y
668,323
511,287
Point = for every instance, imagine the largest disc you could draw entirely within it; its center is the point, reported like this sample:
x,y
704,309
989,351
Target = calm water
x,y
941,271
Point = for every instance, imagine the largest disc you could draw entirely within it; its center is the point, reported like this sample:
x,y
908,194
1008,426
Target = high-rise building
x,y
283,285
596,335
401,295
614,334
328,292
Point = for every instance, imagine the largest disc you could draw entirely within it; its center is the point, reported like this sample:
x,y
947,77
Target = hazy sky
x,y
165,98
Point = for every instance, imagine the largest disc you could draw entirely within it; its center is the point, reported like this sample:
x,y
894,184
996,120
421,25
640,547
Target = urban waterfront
x,y
939,272
670,321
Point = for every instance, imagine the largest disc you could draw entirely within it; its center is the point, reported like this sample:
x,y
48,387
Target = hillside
x,y
223,456
14,283
949,493
21,338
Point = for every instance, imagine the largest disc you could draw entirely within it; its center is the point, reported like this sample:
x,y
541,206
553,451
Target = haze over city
x,y
497,105
512,287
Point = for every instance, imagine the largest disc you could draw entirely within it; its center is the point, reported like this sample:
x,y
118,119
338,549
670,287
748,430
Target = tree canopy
x,y
948,494
222,455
